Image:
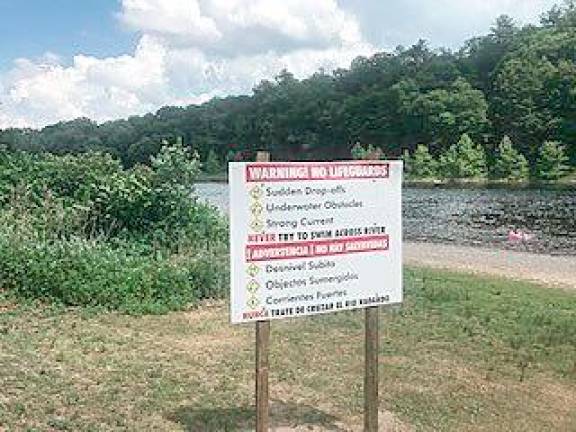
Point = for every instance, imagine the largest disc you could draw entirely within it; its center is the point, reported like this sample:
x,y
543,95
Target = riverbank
x,y
568,182
462,353
212,178
558,271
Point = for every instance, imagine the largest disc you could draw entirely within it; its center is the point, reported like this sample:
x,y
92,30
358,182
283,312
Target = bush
x,y
126,277
143,200
112,201
212,165
510,163
359,152
552,161
81,231
60,176
231,156
463,160
421,164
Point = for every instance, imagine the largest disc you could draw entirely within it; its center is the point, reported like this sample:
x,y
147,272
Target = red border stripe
x,y
310,249
322,171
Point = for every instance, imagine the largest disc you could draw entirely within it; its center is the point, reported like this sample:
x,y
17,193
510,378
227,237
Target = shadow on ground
x,y
284,416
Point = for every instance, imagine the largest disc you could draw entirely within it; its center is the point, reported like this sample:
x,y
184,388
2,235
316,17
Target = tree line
x,y
509,94
467,160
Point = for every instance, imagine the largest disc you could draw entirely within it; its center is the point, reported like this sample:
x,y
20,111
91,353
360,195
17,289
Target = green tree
x,y
448,113
480,55
560,16
212,164
407,163
510,163
230,156
421,164
552,161
142,150
534,98
463,160
358,152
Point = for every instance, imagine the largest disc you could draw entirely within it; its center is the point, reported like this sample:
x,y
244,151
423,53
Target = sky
x,y
109,59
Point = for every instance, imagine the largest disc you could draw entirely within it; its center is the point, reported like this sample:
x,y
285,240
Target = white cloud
x,y
233,27
177,19
446,23
39,93
189,51
192,50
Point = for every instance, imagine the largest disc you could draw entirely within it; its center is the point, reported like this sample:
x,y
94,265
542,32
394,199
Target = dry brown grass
x,y
192,371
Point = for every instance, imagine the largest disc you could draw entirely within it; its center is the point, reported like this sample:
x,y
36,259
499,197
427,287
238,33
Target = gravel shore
x,y
559,271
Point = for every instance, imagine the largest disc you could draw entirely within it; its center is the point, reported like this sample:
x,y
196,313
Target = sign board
x,y
314,237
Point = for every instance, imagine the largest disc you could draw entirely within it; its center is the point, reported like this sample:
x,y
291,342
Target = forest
x,y
503,105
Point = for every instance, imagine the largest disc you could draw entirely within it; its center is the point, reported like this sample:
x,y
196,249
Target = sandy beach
x,y
549,270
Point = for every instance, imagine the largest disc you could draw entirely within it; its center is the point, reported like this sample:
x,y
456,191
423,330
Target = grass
x,y
570,179
462,353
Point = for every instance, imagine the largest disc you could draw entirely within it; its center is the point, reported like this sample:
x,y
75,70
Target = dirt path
x,y
550,270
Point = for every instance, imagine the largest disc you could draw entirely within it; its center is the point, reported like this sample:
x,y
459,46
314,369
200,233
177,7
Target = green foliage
x,y
552,161
510,163
463,160
142,150
407,163
560,16
61,176
529,321
175,167
533,89
143,200
480,56
421,164
124,276
212,164
80,230
112,200
230,156
448,113
359,152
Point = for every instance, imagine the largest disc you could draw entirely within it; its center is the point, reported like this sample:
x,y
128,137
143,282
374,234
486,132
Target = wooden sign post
x,y
309,238
371,370
262,357
262,397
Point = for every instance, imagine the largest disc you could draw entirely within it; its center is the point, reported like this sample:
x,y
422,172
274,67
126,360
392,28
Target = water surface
x,y
476,217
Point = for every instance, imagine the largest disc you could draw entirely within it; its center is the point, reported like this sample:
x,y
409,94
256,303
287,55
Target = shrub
x,y
231,156
463,160
552,161
212,165
81,231
122,276
421,164
112,201
357,152
360,152
61,176
510,163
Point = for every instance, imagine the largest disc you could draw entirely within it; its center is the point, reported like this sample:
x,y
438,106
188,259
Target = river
x,y
475,216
